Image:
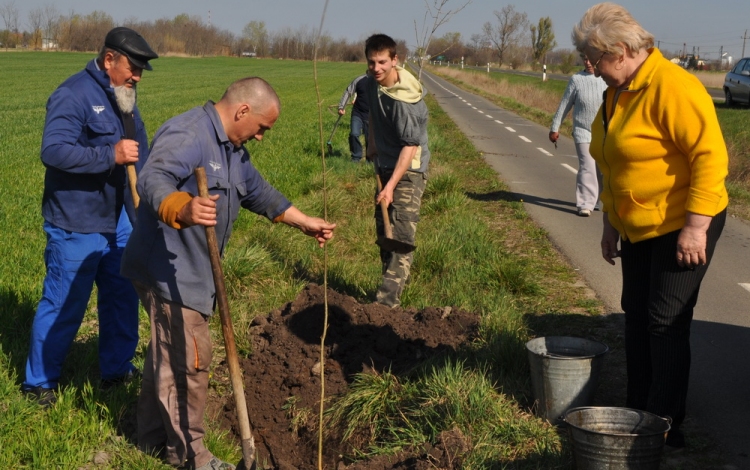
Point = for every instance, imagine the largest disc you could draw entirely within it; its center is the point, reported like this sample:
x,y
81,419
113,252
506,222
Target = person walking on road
x,y
167,256
359,124
398,143
663,159
584,95
92,130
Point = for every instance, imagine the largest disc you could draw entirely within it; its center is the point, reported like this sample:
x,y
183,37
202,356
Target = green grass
x,y
478,250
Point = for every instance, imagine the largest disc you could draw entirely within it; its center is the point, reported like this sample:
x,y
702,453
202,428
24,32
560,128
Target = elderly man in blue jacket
x,y
92,130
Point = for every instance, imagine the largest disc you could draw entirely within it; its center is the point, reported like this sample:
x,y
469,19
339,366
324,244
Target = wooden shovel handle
x,y
132,180
235,374
384,209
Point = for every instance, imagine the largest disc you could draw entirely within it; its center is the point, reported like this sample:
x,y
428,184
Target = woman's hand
x,y
691,242
610,237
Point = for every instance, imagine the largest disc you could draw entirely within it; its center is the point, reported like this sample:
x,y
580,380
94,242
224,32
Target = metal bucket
x,y
608,438
564,373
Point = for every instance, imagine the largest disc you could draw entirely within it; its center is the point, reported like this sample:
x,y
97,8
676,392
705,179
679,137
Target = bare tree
x,y
9,13
36,20
51,24
542,39
508,32
439,18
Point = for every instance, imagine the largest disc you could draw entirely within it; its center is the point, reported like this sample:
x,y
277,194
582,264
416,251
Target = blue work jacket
x,y
84,191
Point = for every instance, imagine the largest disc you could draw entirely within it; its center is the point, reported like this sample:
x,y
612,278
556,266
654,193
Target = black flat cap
x,y
132,44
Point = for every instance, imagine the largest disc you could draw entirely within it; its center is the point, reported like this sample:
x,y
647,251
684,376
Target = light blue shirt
x,y
584,94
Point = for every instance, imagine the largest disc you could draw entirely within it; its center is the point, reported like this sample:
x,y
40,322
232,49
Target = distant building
x,y
48,43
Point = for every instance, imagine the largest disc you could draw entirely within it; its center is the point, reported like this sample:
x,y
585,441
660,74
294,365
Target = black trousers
x,y
658,298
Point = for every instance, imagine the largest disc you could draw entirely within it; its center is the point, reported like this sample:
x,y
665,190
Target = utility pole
x,y
745,37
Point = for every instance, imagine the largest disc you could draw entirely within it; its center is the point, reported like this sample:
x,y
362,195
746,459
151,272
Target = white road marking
x,y
544,151
570,168
511,129
488,116
525,139
499,122
473,107
463,100
481,111
468,103
745,286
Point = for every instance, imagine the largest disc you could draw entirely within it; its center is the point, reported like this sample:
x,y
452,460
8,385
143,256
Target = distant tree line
x,y
510,40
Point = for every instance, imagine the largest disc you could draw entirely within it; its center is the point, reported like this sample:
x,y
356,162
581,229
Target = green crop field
x,y
480,254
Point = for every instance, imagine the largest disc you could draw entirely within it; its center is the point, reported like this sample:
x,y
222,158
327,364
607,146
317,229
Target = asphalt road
x,y
544,177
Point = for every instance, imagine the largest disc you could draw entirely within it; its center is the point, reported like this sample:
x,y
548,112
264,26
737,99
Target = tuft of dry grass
x,y
710,79
528,94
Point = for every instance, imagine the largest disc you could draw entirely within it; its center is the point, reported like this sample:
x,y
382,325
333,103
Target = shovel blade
x,y
248,455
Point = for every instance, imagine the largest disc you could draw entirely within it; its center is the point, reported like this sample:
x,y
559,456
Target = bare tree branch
x,y
439,18
510,26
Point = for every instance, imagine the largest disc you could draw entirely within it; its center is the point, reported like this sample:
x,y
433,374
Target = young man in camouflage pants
x,y
398,144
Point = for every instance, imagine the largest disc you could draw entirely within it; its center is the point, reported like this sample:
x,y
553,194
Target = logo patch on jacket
x,y
98,109
215,166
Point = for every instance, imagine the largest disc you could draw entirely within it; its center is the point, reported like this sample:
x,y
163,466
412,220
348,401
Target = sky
x,y
705,25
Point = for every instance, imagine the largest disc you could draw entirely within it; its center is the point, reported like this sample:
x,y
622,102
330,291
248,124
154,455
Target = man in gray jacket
x,y
167,256
398,143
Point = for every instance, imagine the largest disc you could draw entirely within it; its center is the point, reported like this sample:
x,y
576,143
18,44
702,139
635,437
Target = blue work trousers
x,y
74,262
357,127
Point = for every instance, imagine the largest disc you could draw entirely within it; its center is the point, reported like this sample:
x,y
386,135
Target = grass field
x,y
480,254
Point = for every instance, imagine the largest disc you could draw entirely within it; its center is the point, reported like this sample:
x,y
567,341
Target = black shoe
x,y
122,380
45,397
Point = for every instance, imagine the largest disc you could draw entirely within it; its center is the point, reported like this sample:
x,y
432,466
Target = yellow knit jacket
x,y
660,150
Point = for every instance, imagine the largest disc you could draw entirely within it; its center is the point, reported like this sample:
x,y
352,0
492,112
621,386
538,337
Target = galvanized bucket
x,y
610,438
564,373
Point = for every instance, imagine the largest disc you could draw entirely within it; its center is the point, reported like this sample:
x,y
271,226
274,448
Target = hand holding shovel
x,y
389,243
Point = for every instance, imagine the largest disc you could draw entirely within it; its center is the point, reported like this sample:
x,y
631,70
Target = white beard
x,y
125,97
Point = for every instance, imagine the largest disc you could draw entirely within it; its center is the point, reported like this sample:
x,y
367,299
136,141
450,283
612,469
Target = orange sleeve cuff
x,y
279,218
171,206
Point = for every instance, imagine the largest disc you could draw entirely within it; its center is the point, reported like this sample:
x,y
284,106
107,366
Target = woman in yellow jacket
x,y
663,159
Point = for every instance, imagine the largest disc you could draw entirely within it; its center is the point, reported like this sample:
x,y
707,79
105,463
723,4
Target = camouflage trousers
x,y
403,214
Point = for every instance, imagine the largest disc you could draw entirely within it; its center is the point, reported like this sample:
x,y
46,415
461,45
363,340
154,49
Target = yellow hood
x,y
407,89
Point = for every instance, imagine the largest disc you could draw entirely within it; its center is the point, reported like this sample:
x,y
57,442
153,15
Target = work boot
x,y
109,384
45,397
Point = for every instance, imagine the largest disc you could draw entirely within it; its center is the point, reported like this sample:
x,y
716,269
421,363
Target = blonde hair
x,y
605,25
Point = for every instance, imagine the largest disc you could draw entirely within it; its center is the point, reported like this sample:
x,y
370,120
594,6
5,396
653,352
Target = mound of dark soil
x,y
360,338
